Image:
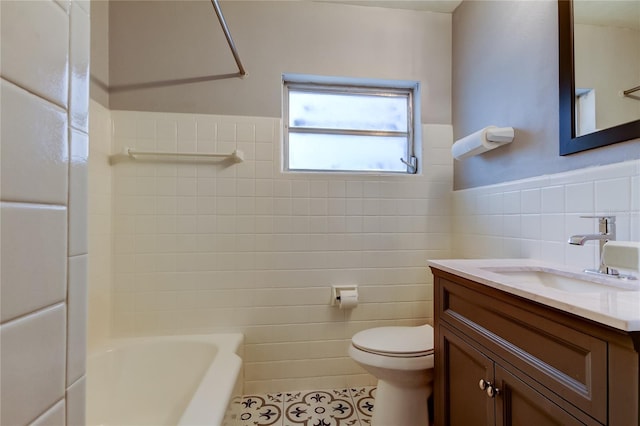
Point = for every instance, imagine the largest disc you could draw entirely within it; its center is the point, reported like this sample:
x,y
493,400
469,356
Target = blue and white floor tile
x,y
335,407
263,410
363,399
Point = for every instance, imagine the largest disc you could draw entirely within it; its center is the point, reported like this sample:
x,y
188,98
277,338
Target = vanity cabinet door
x,y
518,404
476,390
463,402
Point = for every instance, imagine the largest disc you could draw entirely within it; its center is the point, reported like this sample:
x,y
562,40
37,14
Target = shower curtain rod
x,y
630,91
225,29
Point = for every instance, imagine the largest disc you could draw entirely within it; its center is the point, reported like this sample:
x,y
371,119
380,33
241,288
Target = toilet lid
x,y
396,341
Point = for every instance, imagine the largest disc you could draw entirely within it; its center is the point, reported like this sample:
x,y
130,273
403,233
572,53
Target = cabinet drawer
x,y
568,362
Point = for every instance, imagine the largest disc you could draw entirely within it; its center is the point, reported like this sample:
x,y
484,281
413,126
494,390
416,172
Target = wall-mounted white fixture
x,y
344,296
127,153
484,140
622,255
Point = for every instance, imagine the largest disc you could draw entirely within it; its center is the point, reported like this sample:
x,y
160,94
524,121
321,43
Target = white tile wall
x,y
33,364
45,52
34,257
548,213
36,56
34,158
206,247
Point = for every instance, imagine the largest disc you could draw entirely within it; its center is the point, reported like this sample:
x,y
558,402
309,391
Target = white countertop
x,y
618,307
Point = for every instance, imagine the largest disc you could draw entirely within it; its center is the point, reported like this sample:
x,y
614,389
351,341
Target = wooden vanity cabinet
x,y
538,365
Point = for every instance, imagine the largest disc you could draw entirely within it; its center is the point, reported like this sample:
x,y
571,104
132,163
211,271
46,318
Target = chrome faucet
x,y
607,232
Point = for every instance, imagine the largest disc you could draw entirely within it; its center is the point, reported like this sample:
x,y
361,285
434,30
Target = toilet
x,y
401,358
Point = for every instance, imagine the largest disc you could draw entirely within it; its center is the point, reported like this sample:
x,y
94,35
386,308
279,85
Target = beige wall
x,y
505,73
99,84
164,41
45,66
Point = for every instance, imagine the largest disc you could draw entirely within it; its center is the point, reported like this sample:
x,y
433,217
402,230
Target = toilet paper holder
x,y
337,289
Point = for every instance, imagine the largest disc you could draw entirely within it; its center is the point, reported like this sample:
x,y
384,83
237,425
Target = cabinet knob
x,y
483,384
492,391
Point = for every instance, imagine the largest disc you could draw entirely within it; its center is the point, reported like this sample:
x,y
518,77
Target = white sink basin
x,y
562,282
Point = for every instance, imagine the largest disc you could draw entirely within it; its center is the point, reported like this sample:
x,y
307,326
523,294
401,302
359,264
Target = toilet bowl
x,y
401,358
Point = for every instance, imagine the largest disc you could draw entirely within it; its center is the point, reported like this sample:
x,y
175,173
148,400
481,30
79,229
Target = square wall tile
x,y
264,129
623,227
32,235
512,226
613,195
35,158
35,56
552,228
33,363
553,199
245,132
77,318
187,133
531,201
437,135
511,202
579,198
166,129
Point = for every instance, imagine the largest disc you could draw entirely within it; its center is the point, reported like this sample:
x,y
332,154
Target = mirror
x,y
599,48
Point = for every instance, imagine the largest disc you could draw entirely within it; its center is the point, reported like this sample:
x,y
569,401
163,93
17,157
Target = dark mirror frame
x,y
569,143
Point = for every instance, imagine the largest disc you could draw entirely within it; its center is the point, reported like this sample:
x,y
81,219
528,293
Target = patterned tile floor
x,y
336,407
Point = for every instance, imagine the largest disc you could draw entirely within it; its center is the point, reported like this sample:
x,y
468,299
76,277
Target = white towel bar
x,y
236,156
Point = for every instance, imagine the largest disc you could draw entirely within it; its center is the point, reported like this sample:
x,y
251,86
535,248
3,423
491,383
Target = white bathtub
x,y
172,380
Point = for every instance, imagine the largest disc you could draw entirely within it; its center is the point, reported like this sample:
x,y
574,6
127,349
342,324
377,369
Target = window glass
x,y
309,151
348,111
350,126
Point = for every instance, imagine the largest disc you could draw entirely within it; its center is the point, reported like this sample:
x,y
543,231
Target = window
x,y
350,125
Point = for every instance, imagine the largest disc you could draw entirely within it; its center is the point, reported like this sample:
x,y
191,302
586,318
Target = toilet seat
x,y
396,341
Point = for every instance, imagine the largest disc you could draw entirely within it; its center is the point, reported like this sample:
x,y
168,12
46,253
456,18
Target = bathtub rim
x,y
233,340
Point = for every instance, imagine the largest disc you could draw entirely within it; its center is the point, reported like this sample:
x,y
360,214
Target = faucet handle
x,y
610,219
606,225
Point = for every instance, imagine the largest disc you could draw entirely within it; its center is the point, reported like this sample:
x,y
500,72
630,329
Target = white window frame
x,y
319,84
